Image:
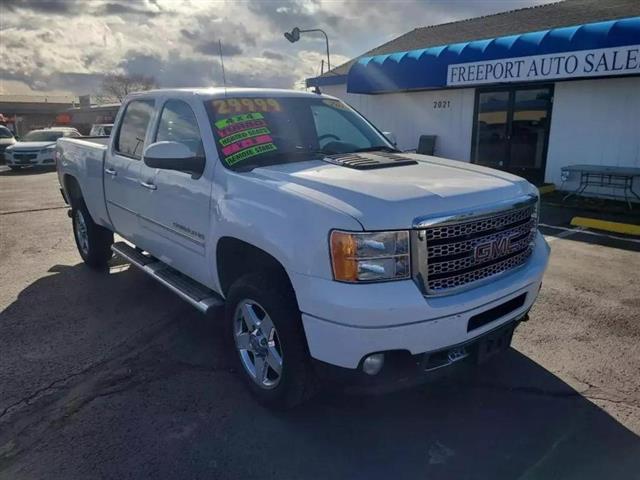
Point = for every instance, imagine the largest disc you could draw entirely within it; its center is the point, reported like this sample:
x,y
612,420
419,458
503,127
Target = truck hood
x,y
31,145
392,198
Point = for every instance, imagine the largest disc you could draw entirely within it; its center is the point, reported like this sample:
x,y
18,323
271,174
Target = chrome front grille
x,y
467,228
457,252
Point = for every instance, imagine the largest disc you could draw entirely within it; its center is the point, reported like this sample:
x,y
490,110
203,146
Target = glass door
x,y
511,130
492,129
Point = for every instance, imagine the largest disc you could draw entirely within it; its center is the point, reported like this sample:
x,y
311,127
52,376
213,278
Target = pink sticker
x,y
247,143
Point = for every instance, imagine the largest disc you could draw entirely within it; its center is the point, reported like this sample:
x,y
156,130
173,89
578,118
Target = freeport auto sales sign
x,y
585,63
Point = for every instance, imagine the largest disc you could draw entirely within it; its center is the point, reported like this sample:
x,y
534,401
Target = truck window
x,y
257,131
178,124
331,124
133,128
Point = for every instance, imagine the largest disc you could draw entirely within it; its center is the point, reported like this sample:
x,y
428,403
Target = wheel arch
x,y
235,258
72,189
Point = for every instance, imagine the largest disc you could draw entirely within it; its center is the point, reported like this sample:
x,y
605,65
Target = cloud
x,y
174,70
286,14
213,48
189,35
114,8
272,55
70,45
58,81
56,7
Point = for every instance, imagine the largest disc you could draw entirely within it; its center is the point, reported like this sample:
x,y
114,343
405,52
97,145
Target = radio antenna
x,y
224,78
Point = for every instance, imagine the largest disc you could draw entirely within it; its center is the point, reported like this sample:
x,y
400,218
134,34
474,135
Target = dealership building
x,y
528,91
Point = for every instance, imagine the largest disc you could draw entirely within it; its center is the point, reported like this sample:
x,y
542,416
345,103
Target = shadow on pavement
x,y
188,416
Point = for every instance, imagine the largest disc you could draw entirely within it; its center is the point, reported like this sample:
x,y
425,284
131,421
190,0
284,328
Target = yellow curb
x,y
547,189
616,227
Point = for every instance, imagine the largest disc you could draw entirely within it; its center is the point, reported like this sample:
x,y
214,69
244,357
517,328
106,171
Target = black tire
x,y
97,250
274,294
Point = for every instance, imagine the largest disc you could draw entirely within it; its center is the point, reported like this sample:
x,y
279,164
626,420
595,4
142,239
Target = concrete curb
x,y
616,227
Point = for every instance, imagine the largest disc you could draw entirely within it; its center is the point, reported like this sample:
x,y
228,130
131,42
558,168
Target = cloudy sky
x,y
66,46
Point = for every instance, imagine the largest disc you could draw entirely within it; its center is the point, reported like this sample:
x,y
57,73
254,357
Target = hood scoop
x,y
369,161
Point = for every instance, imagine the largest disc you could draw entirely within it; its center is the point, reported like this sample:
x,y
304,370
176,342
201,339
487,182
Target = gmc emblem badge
x,y
498,247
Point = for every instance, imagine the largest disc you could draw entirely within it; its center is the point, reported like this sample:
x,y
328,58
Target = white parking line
x,y
567,232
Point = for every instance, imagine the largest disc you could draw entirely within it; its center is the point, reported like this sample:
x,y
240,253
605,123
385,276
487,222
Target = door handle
x,y
111,172
150,186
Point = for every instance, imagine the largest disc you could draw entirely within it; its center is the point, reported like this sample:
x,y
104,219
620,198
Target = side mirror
x,y
391,137
173,156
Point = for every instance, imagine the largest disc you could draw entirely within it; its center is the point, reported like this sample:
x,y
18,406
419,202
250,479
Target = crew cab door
x,y
175,206
122,168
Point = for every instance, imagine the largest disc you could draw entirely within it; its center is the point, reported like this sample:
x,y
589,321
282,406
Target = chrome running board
x,y
201,297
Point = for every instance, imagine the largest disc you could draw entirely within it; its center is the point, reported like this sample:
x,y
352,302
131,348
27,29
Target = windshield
x,y
255,132
5,132
42,136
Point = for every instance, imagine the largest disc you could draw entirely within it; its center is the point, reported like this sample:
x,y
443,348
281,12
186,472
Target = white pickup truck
x,y
333,254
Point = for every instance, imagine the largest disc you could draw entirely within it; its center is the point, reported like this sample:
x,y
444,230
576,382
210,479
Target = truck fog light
x,y
372,364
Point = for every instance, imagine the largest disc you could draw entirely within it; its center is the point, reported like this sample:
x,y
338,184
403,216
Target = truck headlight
x,y
370,257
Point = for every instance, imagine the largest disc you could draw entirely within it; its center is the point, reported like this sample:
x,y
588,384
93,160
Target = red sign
x,y
63,118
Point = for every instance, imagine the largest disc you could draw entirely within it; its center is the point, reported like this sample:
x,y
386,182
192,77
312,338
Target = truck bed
x,y
83,158
101,140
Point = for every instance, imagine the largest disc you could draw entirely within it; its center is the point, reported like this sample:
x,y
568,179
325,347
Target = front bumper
x,y
343,322
41,159
403,370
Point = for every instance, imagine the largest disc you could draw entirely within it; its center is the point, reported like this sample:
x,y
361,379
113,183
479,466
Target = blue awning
x,y
428,68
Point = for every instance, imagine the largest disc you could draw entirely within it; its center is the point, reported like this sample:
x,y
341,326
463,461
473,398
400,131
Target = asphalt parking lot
x,y
111,376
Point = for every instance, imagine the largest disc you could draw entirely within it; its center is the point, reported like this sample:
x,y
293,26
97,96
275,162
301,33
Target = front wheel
x,y
266,333
93,241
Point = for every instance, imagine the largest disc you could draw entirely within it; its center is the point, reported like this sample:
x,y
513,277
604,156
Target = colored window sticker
x,y
226,122
228,106
235,137
249,152
240,127
246,143
335,104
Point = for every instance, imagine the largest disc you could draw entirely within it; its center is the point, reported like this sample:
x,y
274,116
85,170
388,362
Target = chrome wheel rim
x,y
81,232
258,344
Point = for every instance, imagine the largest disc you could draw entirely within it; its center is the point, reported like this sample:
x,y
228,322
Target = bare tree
x,y
115,87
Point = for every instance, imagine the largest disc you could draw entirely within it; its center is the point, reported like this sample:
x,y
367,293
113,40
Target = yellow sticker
x,y
245,105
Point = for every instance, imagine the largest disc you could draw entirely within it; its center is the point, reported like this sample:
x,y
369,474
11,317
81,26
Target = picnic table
x,y
602,176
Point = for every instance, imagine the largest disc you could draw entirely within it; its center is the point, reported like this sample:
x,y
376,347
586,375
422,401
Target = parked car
x,y
6,139
37,147
101,130
333,254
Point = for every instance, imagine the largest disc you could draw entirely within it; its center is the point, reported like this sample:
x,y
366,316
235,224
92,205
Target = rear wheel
x,y
93,241
266,333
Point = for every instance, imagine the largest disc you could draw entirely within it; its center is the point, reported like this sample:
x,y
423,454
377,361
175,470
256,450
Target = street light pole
x,y
294,36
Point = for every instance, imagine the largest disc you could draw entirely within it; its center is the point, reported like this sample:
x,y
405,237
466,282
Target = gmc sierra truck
x,y
333,254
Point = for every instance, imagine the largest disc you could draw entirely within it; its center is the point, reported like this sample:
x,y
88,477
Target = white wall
x,y
594,122
412,114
